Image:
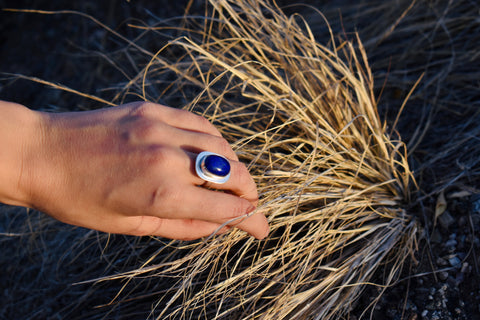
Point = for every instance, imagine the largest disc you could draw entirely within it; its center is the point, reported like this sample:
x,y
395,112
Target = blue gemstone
x,y
217,165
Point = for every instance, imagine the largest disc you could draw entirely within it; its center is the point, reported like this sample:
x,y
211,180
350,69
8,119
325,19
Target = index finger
x,y
178,118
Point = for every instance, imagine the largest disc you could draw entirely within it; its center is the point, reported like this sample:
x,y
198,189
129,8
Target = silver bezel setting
x,y
203,173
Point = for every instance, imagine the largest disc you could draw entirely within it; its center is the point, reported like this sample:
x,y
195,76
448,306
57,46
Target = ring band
x,y
212,167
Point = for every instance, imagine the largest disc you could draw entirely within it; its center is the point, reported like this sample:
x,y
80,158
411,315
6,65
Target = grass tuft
x,y
332,181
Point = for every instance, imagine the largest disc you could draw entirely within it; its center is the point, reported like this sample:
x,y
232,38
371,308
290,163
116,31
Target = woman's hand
x,y
130,170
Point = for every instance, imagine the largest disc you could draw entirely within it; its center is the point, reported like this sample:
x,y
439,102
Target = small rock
x,y
411,306
424,313
455,262
443,275
446,220
430,306
465,267
441,262
451,243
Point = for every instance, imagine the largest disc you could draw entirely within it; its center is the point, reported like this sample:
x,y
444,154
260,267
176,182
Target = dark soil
x,y
442,281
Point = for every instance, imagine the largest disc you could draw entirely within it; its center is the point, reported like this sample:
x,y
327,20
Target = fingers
x,y
187,132
216,207
213,206
179,229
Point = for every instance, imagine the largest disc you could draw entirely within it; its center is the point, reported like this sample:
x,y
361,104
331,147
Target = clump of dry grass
x,y
333,181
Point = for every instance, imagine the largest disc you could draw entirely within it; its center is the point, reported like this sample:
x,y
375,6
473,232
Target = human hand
x,y
130,170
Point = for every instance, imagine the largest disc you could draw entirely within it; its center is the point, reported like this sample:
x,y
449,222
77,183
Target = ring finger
x,y
239,183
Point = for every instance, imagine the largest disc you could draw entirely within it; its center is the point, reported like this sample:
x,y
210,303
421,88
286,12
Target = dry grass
x,y
332,180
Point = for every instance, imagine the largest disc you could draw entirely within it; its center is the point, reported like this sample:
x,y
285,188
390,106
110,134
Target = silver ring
x,y
212,167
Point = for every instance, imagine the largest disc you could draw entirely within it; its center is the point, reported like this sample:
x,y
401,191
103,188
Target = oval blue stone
x,y
217,165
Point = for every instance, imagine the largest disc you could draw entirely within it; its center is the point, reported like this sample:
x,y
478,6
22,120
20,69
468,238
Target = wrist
x,y
20,137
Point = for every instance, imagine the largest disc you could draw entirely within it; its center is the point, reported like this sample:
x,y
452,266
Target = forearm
x,y
18,140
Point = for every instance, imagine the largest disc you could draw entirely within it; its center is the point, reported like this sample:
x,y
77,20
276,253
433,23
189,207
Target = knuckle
x,y
145,130
200,120
143,110
140,129
244,177
243,171
204,124
224,146
163,200
163,158
241,208
189,224
147,226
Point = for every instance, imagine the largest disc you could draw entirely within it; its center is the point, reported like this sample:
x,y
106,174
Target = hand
x,y
130,170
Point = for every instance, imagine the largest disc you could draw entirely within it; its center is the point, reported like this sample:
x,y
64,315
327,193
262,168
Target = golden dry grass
x,y
333,181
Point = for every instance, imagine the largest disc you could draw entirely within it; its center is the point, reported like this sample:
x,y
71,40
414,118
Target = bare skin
x,y
126,169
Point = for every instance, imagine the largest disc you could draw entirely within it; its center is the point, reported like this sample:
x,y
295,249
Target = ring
x,y
212,167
